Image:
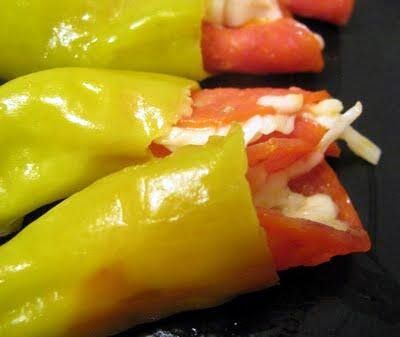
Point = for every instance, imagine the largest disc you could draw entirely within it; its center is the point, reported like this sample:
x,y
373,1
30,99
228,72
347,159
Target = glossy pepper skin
x,y
175,234
121,34
62,129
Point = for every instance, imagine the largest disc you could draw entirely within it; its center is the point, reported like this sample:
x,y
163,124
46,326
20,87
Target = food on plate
x,y
65,128
62,129
167,36
334,11
174,234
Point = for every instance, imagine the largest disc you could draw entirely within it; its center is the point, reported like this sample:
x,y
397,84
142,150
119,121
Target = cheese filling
x,y
276,194
236,13
253,129
328,112
286,106
318,208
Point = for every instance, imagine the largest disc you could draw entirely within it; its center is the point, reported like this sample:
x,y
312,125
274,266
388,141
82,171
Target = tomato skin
x,y
299,242
159,151
278,153
281,46
334,11
222,106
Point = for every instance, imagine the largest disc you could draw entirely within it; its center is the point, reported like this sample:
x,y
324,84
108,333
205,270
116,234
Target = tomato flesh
x,y
293,242
334,11
298,242
278,153
281,46
222,106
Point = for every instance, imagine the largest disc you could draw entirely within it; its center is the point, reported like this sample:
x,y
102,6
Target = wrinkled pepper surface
x,y
174,234
152,35
62,129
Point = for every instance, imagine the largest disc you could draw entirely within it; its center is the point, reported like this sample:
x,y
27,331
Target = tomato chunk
x,y
222,106
281,46
278,153
334,11
297,242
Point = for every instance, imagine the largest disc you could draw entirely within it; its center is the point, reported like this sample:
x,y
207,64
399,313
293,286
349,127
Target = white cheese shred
x,y
327,113
236,13
287,104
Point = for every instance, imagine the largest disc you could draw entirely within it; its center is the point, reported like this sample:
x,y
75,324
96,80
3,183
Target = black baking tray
x,y
350,296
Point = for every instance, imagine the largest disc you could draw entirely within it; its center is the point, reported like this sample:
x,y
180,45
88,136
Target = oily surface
x,y
355,295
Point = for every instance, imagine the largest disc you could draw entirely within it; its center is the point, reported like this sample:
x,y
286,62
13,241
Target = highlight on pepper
x,y
100,121
279,206
209,36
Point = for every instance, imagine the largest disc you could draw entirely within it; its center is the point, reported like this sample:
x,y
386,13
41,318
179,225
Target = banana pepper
x,y
175,234
152,35
179,37
62,129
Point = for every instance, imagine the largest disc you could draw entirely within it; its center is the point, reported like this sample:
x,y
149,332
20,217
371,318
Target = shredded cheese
x,y
287,104
236,13
327,114
319,207
253,129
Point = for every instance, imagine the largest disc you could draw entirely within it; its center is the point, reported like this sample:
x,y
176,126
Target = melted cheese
x,y
236,13
318,208
253,129
287,104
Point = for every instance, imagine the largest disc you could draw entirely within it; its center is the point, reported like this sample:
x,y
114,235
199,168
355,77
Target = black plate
x,y
355,295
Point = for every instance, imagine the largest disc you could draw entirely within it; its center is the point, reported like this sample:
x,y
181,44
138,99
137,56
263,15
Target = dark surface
x,y
355,295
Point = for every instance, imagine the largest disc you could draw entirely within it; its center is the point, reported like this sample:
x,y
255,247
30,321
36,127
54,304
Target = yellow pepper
x,y
150,35
62,129
175,234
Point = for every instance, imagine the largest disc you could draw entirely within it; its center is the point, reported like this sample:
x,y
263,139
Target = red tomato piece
x,y
313,132
334,11
222,106
297,242
308,131
278,153
281,46
159,151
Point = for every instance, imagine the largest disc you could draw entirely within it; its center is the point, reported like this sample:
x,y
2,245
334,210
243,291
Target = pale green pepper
x,y
150,35
175,234
62,129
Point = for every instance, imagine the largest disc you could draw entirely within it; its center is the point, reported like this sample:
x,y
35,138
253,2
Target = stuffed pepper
x,y
178,233
136,246
166,36
63,129
333,11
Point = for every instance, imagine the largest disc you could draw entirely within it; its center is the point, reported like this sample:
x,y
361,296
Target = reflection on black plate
x,y
355,295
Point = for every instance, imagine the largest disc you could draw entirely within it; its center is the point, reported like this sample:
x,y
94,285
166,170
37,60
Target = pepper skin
x,y
62,129
152,35
175,234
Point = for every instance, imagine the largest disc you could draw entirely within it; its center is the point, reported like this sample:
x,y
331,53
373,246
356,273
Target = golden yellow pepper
x,y
62,129
175,234
149,35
